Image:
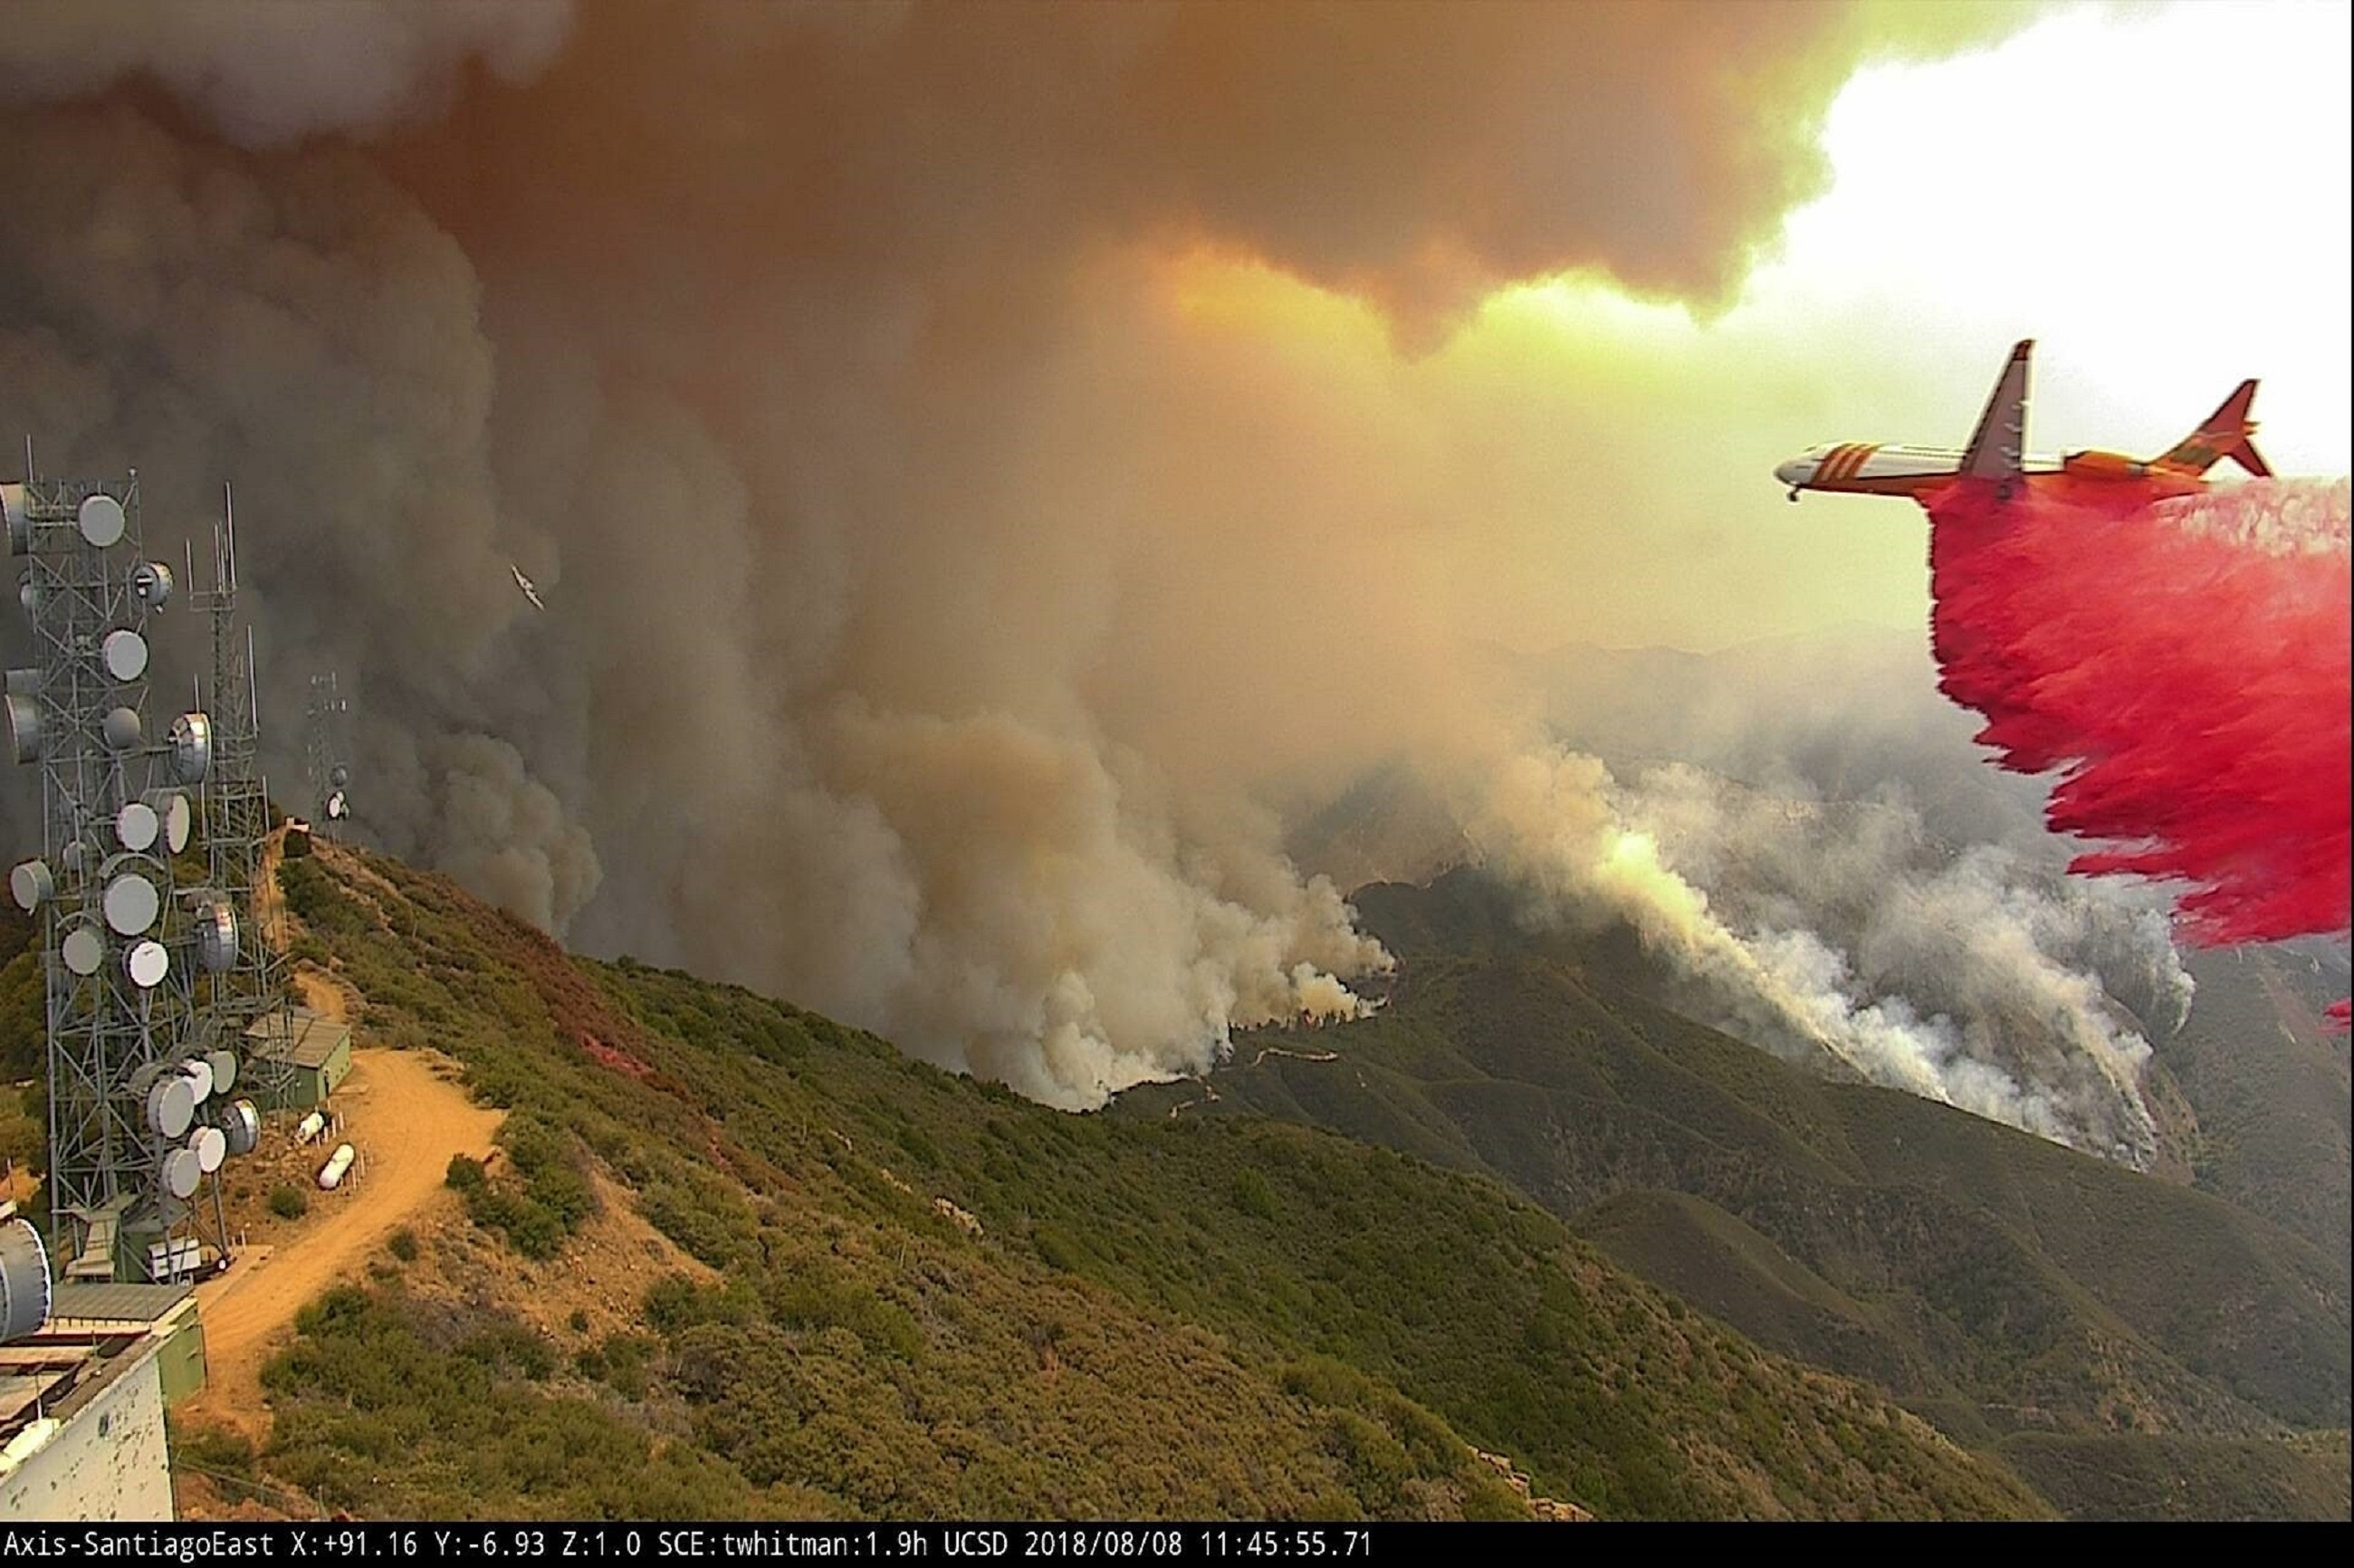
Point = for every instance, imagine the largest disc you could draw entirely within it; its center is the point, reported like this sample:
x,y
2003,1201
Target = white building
x,y
81,1404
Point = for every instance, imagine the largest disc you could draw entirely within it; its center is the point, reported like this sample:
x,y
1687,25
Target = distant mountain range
x,y
872,1289
2033,1302
1529,1210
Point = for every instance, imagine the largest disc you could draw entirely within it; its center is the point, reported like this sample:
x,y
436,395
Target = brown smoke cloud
x,y
265,72
934,585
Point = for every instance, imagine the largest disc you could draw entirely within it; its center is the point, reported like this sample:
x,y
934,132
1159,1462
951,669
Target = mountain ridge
x,y
1997,1282
990,1293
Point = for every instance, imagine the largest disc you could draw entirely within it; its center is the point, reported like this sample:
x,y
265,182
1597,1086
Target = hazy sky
x,y
2159,196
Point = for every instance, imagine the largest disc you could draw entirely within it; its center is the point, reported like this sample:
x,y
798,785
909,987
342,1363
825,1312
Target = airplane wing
x,y
1993,451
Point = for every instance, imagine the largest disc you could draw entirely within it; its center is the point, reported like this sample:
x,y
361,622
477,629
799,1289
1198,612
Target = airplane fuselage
x,y
1996,455
1858,467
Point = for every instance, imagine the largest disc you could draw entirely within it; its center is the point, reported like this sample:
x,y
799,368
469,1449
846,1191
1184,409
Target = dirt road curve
x,y
407,1123
320,994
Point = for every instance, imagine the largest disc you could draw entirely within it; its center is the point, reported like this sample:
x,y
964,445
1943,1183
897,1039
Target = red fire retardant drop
x,y
2186,664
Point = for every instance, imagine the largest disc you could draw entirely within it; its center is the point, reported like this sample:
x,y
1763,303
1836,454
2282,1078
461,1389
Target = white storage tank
x,y
311,1126
330,1174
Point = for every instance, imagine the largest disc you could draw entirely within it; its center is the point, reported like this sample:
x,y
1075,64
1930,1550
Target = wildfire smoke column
x,y
2186,665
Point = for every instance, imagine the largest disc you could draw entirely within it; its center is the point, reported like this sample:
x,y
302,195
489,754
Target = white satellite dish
x,y
199,1074
210,1146
25,727
183,1172
191,740
82,949
172,808
101,520
24,1297
170,1108
33,883
137,826
241,1122
20,529
151,582
217,937
132,904
148,964
124,654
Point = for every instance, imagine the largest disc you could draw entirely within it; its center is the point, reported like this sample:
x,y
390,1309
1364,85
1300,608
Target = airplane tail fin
x,y
2225,434
1994,449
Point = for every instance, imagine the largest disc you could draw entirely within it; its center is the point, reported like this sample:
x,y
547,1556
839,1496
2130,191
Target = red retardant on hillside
x,y
2186,664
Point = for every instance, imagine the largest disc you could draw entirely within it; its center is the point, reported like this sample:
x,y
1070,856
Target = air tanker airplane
x,y
1996,453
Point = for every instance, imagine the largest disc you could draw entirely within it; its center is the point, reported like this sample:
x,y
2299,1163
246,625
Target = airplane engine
x,y
2103,466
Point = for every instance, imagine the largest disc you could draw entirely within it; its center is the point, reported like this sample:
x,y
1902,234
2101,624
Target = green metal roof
x,y
316,1037
114,1303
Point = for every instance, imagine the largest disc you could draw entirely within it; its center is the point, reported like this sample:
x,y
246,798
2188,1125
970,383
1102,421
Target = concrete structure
x,y
169,1311
81,1404
313,1051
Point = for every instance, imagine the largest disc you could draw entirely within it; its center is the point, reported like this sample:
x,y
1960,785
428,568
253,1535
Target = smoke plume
x,y
2185,666
1846,930
267,73
931,587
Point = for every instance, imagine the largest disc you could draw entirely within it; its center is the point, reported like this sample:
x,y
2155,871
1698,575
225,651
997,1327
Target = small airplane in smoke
x,y
1996,452
525,583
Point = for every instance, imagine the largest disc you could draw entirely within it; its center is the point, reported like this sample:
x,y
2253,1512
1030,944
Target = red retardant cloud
x,y
2186,664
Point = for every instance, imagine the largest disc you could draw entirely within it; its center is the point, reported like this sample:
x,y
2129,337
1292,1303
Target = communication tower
x,y
139,1114
325,748
236,799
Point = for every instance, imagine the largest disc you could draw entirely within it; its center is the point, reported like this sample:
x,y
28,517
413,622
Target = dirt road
x,y
269,904
322,995
407,1123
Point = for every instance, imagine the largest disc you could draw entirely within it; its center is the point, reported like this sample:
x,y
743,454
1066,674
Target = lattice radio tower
x,y
326,750
140,1117
237,825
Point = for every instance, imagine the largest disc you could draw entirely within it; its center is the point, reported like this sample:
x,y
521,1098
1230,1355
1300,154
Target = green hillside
x,y
1157,1316
1731,1271
2133,1475
2270,1088
1997,1282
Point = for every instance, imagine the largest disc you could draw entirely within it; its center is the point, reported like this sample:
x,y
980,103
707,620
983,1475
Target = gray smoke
x,y
1980,972
1807,834
268,72
927,600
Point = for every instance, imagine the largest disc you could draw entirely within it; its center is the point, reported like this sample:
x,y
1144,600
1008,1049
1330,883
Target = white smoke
x,y
2286,516
1969,978
1067,935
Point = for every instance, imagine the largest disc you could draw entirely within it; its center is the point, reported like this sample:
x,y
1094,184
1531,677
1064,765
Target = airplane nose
x,y
1795,472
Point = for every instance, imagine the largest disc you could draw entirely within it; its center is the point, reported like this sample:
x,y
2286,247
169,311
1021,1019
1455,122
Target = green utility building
x,y
315,1047
166,1311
